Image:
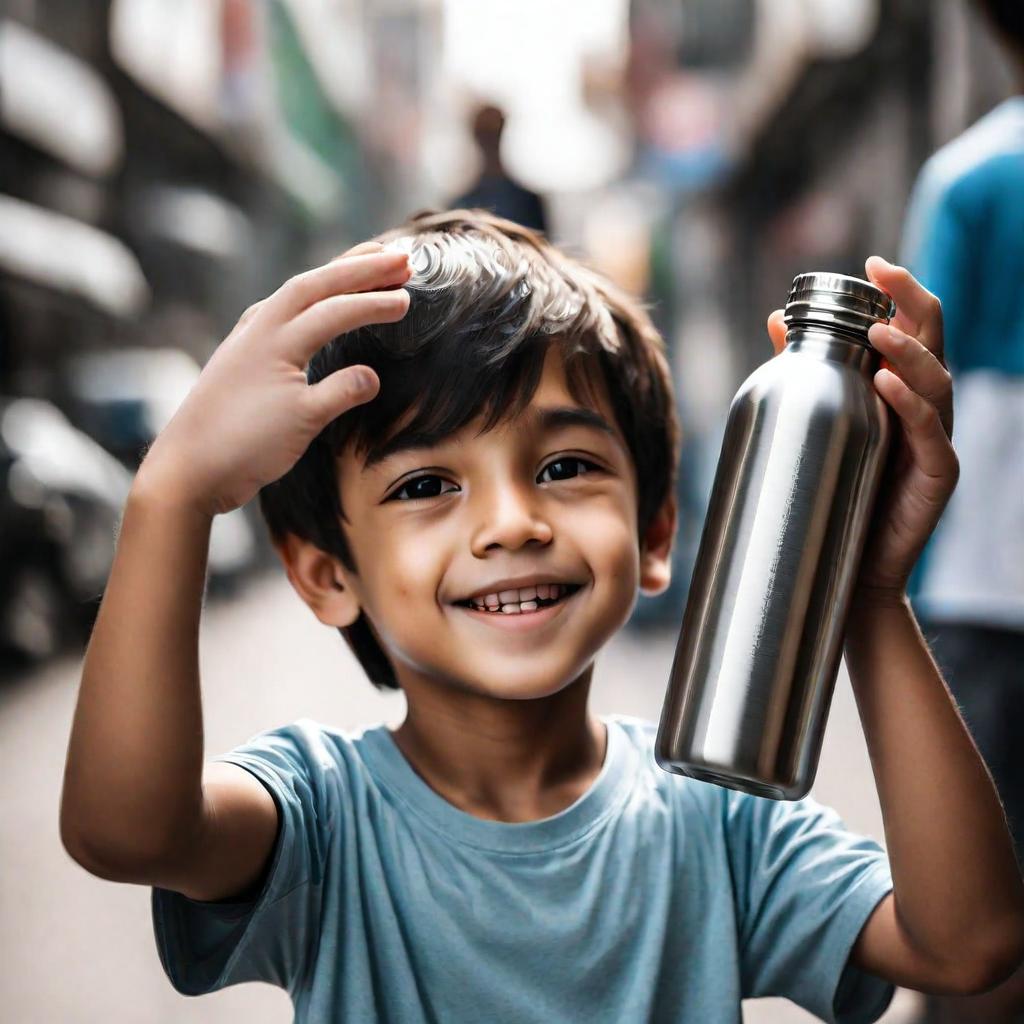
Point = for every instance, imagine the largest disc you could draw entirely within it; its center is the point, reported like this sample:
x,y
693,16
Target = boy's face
x,y
431,528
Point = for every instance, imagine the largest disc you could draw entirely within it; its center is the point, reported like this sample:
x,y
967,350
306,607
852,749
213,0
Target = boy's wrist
x,y
154,486
869,604
867,597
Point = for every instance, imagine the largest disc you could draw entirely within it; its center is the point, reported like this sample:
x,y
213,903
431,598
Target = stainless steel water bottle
x,y
761,640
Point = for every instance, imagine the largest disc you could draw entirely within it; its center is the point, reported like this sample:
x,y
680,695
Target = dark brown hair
x,y
488,297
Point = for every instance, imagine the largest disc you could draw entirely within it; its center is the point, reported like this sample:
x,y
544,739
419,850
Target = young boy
x,y
504,854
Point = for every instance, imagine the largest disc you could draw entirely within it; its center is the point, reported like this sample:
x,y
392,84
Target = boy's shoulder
x,y
738,817
309,761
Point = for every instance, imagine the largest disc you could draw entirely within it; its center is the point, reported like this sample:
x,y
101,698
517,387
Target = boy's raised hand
x,y
252,414
915,383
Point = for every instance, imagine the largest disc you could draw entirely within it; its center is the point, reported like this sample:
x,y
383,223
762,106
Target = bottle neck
x,y
849,347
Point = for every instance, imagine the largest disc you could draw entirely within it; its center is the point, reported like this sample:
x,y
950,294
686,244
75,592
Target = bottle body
x,y
761,640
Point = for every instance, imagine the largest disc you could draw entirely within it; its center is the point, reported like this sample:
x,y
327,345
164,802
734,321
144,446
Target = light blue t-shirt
x,y
653,897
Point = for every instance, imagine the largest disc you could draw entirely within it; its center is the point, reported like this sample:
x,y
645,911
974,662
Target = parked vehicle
x,y
61,496
124,397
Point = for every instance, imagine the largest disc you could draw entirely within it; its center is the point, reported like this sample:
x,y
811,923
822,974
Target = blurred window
x,y
39,84
65,254
173,49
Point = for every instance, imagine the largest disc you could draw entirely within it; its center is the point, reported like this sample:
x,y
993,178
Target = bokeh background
x,y
165,163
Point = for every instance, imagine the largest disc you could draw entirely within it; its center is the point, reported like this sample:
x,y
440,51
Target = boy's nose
x,y
509,517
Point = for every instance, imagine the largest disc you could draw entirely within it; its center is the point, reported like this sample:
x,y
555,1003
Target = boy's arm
x,y
133,806
137,804
953,922
955,919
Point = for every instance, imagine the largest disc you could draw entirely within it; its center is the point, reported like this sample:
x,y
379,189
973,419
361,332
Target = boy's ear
x,y
319,580
656,550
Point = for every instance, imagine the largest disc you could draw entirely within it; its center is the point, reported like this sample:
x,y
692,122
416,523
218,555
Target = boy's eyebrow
x,y
552,418
545,420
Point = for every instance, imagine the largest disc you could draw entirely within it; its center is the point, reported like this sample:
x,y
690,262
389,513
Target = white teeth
x,y
513,602
524,599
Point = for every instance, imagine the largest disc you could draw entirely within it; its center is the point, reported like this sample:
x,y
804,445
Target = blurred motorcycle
x,y
124,397
61,496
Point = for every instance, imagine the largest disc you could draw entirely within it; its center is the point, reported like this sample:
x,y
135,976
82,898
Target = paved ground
x,y
77,950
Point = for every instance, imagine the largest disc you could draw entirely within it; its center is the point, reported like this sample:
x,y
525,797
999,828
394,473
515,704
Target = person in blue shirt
x,y
964,240
409,415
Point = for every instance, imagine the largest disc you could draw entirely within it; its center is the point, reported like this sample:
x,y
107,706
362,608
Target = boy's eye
x,y
563,468
429,485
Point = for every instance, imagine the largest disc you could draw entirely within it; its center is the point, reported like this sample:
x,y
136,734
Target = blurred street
x,y
165,164
265,660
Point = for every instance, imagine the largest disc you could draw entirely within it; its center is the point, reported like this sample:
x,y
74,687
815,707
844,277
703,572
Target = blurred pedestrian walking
x,y
494,190
964,240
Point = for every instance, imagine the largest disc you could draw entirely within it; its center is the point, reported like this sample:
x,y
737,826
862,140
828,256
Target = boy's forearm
x,y
133,777
955,877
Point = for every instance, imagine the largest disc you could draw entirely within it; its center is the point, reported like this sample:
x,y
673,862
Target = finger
x,y
251,312
929,444
917,367
314,328
340,391
918,312
361,249
368,249
362,273
777,330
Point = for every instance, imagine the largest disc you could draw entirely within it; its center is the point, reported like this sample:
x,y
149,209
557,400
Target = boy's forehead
x,y
551,405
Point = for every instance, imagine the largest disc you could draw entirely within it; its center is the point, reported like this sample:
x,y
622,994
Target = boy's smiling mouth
x,y
523,612
515,600
519,607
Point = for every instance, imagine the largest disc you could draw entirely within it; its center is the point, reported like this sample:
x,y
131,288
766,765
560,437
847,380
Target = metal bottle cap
x,y
838,301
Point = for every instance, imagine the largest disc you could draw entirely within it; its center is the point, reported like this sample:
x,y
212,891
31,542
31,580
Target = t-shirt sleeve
x,y
205,946
805,887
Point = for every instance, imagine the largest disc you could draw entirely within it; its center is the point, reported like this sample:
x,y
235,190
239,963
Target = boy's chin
x,y
513,688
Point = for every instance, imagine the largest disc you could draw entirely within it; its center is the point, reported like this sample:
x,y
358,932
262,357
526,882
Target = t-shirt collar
x,y
603,799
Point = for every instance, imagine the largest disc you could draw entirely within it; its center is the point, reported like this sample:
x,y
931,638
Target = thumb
x,y
340,391
777,330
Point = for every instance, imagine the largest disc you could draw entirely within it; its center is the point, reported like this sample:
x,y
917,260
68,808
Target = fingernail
x,y
362,380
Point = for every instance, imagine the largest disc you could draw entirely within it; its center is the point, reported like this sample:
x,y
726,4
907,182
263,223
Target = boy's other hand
x,y
252,414
923,470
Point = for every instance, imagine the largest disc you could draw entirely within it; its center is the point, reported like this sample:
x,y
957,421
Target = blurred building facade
x,y
167,163
774,137
163,165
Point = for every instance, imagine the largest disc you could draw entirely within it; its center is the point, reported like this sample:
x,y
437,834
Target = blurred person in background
x,y
964,240
494,190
